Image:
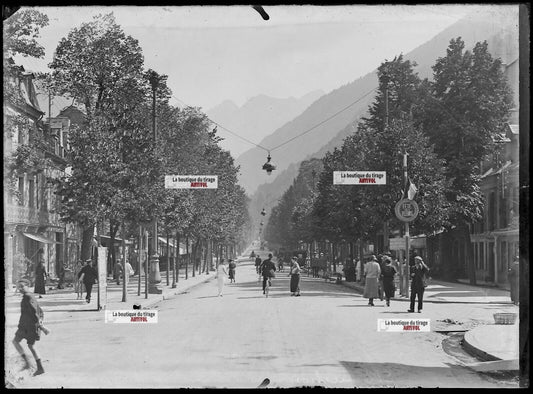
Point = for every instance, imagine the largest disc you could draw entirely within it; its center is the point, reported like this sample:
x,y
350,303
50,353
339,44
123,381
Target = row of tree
x,y
446,126
131,137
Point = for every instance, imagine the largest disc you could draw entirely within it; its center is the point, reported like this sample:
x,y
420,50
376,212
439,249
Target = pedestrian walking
x,y
358,271
388,273
88,277
419,273
222,273
372,273
30,326
129,269
280,264
40,275
514,275
232,266
295,277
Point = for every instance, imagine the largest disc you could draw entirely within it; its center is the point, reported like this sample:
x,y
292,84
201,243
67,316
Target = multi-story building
x,y
34,153
496,237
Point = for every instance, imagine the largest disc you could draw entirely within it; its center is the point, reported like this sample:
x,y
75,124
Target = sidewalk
x,y
447,292
495,344
61,304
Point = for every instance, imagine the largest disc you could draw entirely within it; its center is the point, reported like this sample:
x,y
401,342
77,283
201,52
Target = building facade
x,y
34,154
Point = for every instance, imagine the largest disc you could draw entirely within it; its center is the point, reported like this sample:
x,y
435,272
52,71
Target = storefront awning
x,y
41,238
106,240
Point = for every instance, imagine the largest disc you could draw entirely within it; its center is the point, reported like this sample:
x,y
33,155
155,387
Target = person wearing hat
x,y
88,276
372,273
418,274
388,273
295,277
29,327
268,269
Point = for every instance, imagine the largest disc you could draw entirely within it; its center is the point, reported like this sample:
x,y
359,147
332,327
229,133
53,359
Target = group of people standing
x,y
385,273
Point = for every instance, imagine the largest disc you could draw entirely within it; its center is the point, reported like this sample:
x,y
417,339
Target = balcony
x,y
15,214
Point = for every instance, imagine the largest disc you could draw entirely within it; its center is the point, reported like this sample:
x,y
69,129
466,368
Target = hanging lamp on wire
x,y
269,166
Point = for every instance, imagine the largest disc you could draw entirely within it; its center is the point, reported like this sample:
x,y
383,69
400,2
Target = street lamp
x,y
155,275
268,166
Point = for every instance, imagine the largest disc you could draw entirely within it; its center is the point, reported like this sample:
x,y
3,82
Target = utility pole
x,y
155,276
405,180
386,222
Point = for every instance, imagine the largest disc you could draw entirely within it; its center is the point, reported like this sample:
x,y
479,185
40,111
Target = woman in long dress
x,y
295,277
231,267
372,273
387,274
40,277
222,273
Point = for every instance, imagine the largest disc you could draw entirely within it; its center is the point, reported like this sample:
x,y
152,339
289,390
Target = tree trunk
x,y
177,256
194,247
113,228
87,242
187,258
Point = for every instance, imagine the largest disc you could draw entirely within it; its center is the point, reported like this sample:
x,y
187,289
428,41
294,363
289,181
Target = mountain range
x,y
320,135
257,118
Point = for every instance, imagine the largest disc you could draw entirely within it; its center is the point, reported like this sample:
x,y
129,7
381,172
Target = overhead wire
x,y
293,138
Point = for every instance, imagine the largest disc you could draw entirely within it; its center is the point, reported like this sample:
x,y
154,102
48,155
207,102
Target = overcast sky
x,y
217,53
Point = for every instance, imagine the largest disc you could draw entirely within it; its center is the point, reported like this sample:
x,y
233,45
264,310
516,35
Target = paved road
x,y
327,337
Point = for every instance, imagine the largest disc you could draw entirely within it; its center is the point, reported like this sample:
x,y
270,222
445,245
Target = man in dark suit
x,y
88,276
267,267
418,274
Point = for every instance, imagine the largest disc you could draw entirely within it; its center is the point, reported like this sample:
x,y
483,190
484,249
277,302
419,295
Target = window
x,y
482,255
503,257
31,193
491,212
21,190
503,212
44,205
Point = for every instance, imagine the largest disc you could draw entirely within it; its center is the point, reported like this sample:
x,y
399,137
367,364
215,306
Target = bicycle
x,y
267,287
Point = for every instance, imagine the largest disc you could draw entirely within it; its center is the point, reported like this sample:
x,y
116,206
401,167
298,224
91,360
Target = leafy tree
x,y
468,105
101,68
21,31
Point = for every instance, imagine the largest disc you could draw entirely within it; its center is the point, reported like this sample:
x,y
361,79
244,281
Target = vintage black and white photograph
x,y
277,196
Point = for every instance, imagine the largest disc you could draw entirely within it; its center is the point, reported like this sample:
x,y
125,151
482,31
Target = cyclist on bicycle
x,y
257,264
267,270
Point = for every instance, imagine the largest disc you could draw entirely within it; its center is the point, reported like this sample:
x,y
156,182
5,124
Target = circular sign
x,y
406,210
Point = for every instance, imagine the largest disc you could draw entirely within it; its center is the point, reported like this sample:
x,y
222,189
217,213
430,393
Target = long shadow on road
x,y
402,375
